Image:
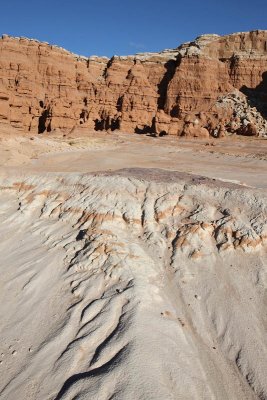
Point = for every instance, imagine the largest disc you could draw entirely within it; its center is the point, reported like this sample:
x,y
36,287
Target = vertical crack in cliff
x,y
44,121
170,67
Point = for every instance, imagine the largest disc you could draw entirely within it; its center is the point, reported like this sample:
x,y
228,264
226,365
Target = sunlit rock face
x,y
44,87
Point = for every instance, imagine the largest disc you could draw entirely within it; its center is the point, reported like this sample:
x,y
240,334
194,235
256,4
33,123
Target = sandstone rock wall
x,y
44,87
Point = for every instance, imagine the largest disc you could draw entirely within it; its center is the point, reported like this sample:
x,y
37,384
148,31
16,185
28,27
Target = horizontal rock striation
x,y
44,87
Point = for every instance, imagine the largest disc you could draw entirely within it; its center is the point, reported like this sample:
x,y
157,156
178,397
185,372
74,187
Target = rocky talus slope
x,y
138,284
43,87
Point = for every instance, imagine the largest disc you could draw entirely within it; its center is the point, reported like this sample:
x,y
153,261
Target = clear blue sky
x,y
126,27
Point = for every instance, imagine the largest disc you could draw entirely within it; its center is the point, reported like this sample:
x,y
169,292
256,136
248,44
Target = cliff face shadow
x,y
170,67
42,122
146,129
143,131
257,97
105,124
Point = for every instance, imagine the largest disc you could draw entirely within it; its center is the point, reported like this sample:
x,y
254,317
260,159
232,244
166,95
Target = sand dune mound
x,y
132,285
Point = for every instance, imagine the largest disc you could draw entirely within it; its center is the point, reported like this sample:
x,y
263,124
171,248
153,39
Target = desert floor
x,y
238,159
132,267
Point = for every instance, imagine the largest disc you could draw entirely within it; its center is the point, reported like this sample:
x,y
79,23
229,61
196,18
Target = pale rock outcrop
x,y
136,284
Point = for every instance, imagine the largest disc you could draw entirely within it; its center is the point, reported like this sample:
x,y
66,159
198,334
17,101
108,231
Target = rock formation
x,y
192,90
138,284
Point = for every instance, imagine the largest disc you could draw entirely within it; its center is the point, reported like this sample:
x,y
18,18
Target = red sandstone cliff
x,y
212,85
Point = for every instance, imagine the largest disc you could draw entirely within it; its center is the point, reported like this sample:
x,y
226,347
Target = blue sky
x,y
126,27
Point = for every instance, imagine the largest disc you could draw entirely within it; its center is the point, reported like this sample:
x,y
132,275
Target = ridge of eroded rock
x,y
44,87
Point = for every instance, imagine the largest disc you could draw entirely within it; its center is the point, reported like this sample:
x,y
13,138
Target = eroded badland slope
x,y
140,284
